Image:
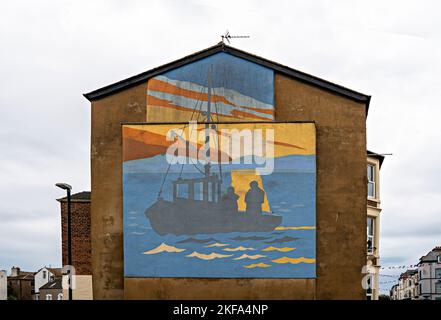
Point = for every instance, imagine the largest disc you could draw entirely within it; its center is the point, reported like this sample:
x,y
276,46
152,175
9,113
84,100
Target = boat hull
x,y
189,218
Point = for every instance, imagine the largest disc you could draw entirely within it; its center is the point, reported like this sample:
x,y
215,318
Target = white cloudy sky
x,y
53,51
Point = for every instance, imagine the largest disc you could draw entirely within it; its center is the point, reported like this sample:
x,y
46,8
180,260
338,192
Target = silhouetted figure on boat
x,y
254,199
229,200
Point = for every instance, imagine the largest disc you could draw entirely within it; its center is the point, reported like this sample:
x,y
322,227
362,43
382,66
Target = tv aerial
x,y
227,37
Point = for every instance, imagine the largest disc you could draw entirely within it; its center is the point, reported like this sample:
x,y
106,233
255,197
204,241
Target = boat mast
x,y
207,130
207,166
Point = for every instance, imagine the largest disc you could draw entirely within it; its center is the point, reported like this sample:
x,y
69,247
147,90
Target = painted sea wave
x,y
163,248
252,257
240,248
217,245
294,260
210,256
257,265
282,249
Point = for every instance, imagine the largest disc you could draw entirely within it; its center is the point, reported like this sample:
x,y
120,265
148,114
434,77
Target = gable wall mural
x,y
209,210
206,196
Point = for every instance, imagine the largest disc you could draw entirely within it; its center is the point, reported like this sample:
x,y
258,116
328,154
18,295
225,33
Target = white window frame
x,y
60,296
370,237
199,191
439,259
182,190
370,286
48,296
373,181
438,287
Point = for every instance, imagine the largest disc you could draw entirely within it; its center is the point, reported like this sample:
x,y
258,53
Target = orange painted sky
x,y
144,141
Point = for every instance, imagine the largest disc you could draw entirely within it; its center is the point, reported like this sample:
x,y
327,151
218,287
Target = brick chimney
x,y
81,240
15,271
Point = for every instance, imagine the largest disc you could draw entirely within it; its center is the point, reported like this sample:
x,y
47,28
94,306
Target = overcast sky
x,y
51,52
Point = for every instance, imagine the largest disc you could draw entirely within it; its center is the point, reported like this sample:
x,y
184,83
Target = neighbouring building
x,y
408,285
423,283
394,292
429,273
81,243
175,215
53,290
44,276
3,285
374,163
21,284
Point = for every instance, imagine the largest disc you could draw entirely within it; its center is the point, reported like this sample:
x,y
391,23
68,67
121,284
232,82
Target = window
x,y
439,259
420,291
60,296
438,273
438,287
370,235
48,297
44,274
369,287
215,193
182,190
371,180
199,191
210,191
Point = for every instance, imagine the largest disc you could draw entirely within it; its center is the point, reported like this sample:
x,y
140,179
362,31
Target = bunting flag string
x,y
386,282
389,275
400,267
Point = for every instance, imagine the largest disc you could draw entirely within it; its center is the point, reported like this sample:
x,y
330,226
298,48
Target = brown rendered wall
x,y
81,244
341,183
341,202
107,224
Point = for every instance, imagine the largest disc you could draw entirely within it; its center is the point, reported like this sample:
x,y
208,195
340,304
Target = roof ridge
x,y
221,47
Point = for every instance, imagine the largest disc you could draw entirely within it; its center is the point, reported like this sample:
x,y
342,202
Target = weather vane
x,y
227,36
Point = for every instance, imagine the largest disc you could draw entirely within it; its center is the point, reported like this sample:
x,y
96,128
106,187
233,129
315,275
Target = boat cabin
x,y
206,189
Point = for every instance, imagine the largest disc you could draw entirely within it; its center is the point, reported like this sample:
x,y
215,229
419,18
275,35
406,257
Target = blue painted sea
x,y
287,252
